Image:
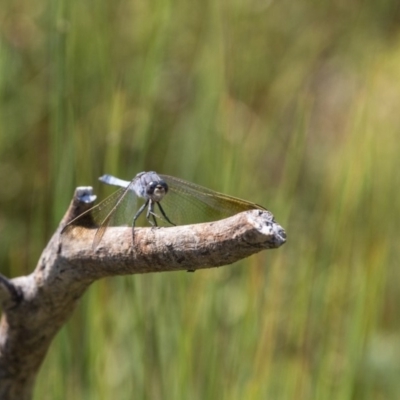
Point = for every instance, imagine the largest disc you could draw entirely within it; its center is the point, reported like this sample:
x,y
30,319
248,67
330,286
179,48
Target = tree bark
x,y
36,306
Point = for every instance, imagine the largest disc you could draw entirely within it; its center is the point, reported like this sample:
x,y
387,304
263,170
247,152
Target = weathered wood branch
x,y
8,292
36,306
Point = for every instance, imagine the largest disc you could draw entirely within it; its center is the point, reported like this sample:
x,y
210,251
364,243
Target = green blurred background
x,y
290,104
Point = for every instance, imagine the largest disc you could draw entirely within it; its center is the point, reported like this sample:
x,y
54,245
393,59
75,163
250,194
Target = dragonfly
x,y
166,201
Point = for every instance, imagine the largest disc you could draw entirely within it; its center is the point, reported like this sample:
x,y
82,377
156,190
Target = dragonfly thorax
x,y
157,190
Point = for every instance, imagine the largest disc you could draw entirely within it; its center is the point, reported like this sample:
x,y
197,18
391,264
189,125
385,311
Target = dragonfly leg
x,y
137,215
164,215
150,211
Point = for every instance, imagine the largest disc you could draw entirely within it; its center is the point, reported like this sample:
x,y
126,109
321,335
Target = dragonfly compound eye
x,y
157,190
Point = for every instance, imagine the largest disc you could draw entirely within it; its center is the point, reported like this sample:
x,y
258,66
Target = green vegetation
x,y
290,104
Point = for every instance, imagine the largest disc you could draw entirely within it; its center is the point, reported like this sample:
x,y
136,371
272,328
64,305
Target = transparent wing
x,y
188,203
118,209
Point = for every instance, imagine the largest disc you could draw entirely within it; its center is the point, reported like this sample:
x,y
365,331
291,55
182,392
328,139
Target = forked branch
x,y
36,306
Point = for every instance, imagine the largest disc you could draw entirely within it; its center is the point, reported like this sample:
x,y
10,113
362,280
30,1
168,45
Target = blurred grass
x,y
292,105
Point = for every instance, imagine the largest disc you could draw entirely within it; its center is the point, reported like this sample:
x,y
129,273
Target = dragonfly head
x,y
156,190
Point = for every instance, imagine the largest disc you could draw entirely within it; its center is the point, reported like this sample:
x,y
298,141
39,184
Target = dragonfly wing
x,y
187,203
117,209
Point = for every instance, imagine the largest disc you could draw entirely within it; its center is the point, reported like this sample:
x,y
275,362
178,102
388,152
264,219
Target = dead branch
x,y
36,306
